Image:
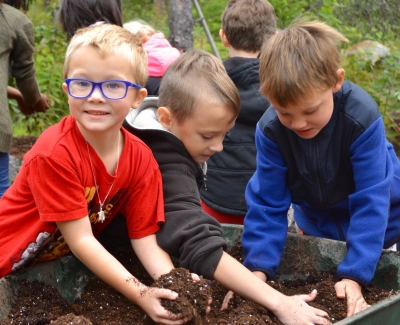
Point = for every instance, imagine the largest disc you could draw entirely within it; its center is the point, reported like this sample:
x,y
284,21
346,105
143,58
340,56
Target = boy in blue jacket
x,y
322,147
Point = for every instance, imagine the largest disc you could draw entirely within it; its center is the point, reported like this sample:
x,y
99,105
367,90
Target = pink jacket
x,y
160,54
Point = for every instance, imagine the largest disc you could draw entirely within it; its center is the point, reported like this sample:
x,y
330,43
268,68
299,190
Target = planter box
x,y
70,276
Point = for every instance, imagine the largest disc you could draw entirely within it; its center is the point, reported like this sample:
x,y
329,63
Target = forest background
x,y
358,20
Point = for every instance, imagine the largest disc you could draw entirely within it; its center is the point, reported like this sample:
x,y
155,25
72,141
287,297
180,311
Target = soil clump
x,y
40,304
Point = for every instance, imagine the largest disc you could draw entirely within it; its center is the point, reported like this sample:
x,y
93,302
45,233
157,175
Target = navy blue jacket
x,y
229,171
344,185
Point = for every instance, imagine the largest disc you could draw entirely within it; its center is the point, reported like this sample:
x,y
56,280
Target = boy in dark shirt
x,y
246,24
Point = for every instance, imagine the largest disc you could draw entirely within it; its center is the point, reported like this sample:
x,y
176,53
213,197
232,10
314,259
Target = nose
x,y
217,146
96,94
298,123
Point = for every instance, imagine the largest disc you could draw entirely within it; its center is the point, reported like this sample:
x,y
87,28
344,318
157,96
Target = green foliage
x,y
145,10
356,19
378,20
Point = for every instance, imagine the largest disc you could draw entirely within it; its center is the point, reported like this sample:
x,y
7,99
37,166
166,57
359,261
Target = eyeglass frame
x,y
100,85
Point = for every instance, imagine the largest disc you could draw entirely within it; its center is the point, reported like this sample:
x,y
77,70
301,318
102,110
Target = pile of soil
x,y
40,304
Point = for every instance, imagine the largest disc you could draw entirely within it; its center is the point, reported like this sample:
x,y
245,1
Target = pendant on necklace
x,y
101,215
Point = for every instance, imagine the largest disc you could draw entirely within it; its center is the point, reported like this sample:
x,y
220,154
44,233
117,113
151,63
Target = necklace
x,y
101,216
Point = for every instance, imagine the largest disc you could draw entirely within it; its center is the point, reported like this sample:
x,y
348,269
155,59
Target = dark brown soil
x,y
72,320
21,145
193,296
39,304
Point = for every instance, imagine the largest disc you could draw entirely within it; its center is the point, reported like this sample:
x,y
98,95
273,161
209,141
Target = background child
x,y
187,128
75,14
85,169
321,146
16,60
245,26
160,53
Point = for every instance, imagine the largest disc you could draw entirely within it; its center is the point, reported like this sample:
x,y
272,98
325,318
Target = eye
x,y
311,112
113,85
206,137
82,83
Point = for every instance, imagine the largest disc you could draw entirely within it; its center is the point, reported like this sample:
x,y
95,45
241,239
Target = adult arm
x,y
41,106
23,70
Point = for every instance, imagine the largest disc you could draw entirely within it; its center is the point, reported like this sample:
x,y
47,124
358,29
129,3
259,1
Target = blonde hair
x,y
194,76
111,39
299,60
140,29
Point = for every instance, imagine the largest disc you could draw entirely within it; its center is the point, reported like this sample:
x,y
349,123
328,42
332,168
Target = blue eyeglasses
x,y
110,89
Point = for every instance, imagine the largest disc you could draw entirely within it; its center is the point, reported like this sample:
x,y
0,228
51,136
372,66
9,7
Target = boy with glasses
x,y
86,168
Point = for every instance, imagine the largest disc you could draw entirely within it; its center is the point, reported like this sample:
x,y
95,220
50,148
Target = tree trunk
x,y
181,24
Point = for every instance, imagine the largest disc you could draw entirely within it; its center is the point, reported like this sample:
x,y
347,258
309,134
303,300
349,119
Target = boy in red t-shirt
x,y
85,169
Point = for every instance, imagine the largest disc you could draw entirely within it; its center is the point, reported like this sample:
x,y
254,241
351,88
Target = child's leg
x,y
4,178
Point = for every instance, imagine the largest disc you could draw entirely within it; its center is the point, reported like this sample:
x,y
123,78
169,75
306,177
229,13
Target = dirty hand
x,y
42,105
150,302
351,290
294,310
196,278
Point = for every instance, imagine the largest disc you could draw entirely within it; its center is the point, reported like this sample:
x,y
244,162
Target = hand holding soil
x,y
193,296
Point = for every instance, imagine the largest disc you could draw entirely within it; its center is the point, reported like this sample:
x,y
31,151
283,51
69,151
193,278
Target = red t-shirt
x,y
56,183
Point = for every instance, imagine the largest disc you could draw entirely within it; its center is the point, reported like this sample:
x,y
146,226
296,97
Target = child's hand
x,y
227,298
196,278
294,311
150,302
352,291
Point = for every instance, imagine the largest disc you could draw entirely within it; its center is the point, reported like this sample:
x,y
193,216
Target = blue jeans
x,y
4,178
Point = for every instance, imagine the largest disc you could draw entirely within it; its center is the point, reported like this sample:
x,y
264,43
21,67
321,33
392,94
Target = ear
x,y
139,98
65,88
340,80
164,117
223,38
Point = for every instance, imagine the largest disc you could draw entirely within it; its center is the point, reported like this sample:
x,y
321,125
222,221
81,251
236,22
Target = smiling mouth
x,y
96,113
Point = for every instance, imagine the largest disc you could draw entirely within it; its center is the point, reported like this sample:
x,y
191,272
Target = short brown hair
x,y
111,39
298,60
195,75
247,23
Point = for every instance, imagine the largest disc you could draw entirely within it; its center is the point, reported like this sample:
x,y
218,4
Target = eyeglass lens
x,y
110,89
